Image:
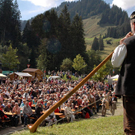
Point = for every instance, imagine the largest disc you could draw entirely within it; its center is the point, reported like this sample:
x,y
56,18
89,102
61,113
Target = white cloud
x,y
70,0
39,10
35,7
124,4
43,3
47,3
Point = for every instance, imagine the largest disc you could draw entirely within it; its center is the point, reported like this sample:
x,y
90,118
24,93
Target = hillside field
x,y
92,30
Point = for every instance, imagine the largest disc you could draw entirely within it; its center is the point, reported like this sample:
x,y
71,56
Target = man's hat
x,y
132,16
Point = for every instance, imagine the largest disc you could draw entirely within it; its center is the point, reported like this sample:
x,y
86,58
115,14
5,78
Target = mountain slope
x,y
92,28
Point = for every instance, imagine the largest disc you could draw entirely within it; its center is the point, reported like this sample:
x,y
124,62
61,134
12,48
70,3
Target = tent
x,y
1,75
7,72
53,77
115,78
19,74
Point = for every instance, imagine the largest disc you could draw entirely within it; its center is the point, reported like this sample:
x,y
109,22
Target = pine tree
x,y
10,22
64,34
95,44
101,43
77,33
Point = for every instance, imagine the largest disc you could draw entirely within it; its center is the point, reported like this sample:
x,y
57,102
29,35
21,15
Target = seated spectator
x,y
1,98
30,101
34,101
79,102
39,110
26,94
45,103
57,110
48,105
27,112
68,113
4,103
87,111
51,118
2,106
2,116
16,116
8,108
12,103
22,104
32,93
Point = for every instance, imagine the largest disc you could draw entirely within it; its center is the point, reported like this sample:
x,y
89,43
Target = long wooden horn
x,y
33,127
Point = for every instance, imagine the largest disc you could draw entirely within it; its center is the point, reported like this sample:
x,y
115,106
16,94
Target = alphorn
x,y
33,127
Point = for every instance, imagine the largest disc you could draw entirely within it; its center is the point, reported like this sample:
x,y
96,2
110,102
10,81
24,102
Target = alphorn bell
x,y
33,127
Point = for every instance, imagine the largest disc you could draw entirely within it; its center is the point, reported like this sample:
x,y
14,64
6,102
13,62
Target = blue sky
x,y
31,8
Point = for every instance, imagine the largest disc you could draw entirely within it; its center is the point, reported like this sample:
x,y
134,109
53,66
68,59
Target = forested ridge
x,y
55,36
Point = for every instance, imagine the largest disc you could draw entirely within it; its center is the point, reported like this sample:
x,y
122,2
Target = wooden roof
x,y
30,70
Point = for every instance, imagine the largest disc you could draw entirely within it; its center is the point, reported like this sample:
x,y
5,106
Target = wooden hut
x,y
15,75
36,73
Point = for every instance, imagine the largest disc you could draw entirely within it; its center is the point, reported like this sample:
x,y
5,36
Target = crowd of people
x,y
25,99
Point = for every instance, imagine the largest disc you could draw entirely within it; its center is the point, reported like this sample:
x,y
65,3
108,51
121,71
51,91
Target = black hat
x,y
132,16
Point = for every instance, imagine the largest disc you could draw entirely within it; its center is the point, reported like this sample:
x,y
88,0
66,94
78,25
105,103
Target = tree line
x,y
110,16
46,42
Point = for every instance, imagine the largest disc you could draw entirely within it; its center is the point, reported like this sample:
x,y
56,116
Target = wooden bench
x,y
62,116
78,113
6,122
58,114
33,119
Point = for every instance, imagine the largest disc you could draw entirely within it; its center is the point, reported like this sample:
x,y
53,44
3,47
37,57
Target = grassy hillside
x,y
92,30
91,27
102,126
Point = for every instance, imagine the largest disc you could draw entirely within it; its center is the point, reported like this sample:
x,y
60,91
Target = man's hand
x,y
128,35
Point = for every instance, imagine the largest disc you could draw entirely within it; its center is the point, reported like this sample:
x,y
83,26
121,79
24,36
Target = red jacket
x,y
2,115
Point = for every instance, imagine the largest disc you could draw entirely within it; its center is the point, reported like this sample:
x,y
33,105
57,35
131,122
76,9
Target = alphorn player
x,y
124,55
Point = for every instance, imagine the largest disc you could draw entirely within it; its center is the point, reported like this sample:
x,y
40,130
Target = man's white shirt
x,y
119,55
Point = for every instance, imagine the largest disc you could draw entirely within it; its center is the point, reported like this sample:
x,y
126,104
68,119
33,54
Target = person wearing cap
x,y
124,55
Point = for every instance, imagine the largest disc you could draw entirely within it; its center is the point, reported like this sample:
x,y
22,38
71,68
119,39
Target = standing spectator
x,y
68,113
112,102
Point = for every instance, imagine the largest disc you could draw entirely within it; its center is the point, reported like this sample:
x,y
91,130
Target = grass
x,y
108,48
92,30
102,126
91,27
